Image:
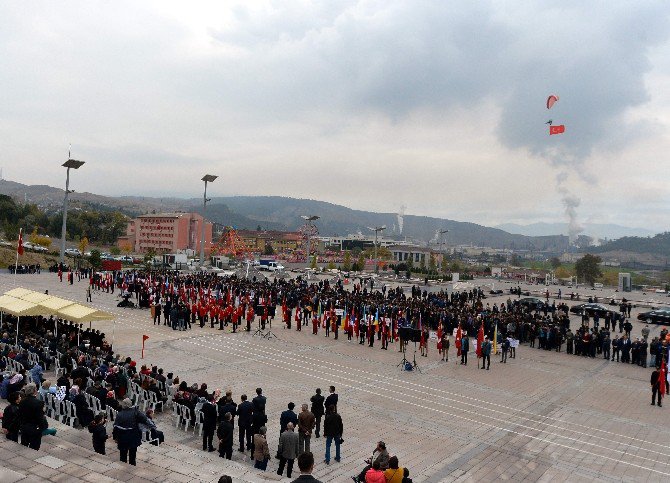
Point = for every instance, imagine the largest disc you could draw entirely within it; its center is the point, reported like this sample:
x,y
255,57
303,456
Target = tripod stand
x,y
404,356
265,335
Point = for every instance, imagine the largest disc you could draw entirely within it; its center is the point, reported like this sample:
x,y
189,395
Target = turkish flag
x,y
556,129
19,248
144,337
661,376
459,336
480,340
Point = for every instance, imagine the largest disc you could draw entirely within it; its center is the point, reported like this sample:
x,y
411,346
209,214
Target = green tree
x,y
432,265
361,262
445,264
149,258
347,261
94,259
331,265
115,250
312,263
588,268
268,249
555,262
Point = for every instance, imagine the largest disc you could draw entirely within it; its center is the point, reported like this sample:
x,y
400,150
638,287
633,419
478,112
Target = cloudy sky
x,y
436,105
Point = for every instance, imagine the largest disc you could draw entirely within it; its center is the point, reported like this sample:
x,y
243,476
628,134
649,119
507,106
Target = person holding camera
x,y
380,458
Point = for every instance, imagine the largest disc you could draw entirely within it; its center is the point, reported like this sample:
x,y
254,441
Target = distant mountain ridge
x,y
283,213
594,230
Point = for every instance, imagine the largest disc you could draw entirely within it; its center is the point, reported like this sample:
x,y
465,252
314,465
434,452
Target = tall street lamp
x,y
69,164
443,239
308,229
377,229
208,178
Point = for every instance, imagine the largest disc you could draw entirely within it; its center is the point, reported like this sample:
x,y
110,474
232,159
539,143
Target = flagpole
x,y
16,264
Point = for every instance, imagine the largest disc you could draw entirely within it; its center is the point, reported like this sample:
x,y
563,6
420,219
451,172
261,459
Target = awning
x,y
20,307
53,304
79,313
34,297
19,292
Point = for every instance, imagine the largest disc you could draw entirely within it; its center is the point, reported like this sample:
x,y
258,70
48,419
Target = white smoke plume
x,y
570,203
401,215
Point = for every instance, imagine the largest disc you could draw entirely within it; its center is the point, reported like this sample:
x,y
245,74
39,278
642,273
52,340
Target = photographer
x,y
379,457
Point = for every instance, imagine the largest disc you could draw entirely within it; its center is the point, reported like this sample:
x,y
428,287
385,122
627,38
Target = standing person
x,y
208,424
505,349
444,347
287,450
287,417
244,418
98,433
656,390
332,430
261,454
318,410
10,418
465,347
486,353
306,466
306,423
225,435
332,398
31,418
126,431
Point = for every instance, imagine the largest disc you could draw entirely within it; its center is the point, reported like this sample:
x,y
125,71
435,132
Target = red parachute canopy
x,y
551,100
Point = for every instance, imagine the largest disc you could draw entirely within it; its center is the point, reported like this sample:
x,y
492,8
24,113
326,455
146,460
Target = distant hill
x,y
276,212
657,245
282,213
594,230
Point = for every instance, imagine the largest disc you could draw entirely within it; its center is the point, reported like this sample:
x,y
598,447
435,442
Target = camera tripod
x,y
405,360
265,335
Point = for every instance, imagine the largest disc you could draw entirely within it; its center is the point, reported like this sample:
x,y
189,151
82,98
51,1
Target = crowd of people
x,y
87,365
363,315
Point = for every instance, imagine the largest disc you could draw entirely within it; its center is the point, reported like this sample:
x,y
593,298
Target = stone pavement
x,y
544,416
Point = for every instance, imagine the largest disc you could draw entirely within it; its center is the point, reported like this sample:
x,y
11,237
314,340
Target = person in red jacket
x,y
250,317
375,474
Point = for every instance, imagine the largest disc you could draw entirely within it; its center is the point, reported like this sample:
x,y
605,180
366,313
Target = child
x,y
99,431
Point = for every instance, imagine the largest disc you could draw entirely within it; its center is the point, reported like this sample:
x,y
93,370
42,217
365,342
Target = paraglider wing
x,y
551,100
550,122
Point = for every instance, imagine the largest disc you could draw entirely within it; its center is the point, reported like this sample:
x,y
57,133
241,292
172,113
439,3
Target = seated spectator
x,y
150,426
394,473
15,383
111,401
375,474
10,418
84,413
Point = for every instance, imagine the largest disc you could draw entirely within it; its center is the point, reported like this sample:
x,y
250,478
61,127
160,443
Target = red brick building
x,y
166,233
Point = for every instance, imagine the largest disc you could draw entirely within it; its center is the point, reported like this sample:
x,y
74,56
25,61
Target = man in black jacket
x,y
31,418
259,401
225,435
331,400
244,417
318,410
208,425
332,430
10,419
306,465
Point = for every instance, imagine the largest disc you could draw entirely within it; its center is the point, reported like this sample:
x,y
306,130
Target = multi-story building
x,y
280,241
415,255
166,233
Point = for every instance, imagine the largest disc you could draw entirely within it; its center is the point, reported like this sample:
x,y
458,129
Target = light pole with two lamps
x,y
376,229
69,164
208,178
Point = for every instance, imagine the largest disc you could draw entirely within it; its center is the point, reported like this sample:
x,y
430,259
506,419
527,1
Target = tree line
x,y
100,227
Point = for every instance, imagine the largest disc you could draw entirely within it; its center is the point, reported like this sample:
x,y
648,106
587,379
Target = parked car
x,y
656,316
533,303
40,248
591,309
73,252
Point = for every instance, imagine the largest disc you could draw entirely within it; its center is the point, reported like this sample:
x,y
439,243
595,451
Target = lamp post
x,y
377,229
208,178
443,238
69,164
309,227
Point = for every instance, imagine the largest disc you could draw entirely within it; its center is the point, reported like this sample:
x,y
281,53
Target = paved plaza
x,y
543,416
